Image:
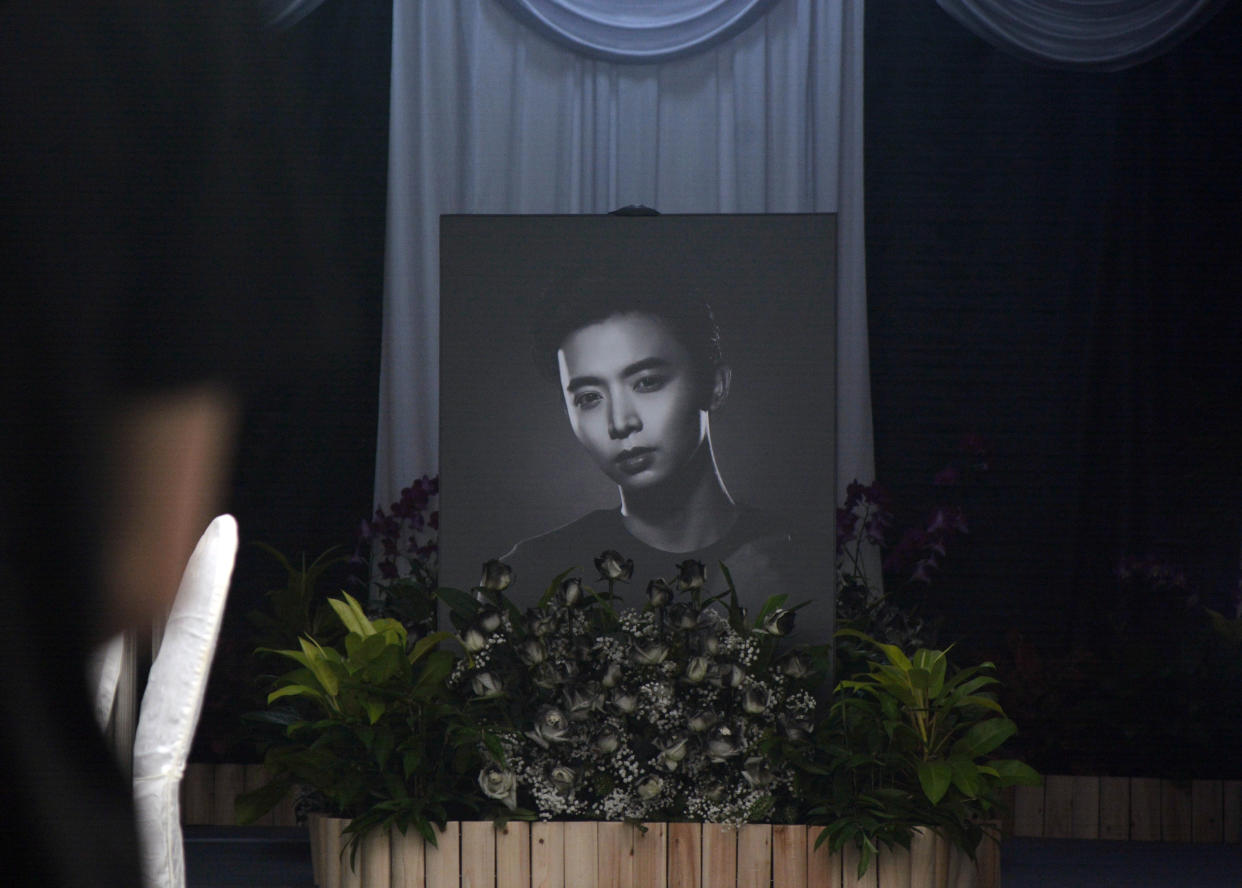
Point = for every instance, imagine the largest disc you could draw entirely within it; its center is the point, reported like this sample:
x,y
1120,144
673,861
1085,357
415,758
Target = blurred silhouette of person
x,y
140,181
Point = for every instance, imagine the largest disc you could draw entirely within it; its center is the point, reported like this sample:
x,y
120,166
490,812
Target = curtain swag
x,y
1083,34
629,31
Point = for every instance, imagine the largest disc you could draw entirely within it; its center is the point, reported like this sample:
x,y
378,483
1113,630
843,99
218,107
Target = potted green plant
x,y
372,726
907,746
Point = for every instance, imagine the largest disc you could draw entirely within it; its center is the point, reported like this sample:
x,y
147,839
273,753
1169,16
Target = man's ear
x,y
721,379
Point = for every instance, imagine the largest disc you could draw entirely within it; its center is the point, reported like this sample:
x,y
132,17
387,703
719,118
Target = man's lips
x,y
635,459
633,453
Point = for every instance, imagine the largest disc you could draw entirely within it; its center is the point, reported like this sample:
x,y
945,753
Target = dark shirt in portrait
x,y
764,553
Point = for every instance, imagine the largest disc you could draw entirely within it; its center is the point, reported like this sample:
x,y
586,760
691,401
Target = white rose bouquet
x,y
684,709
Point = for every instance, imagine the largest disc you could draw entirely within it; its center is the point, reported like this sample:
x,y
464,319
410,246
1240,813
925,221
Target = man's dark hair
x,y
577,300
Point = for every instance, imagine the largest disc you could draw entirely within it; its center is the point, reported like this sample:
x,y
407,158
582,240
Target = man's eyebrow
x,y
630,370
582,382
646,364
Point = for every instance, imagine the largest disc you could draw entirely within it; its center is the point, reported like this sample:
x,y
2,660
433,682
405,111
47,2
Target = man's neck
x,y
695,514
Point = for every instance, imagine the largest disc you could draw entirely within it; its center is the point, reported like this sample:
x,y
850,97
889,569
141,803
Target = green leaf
x,y
375,709
351,615
427,644
773,602
920,679
925,658
1014,772
460,603
314,661
984,736
362,650
383,748
865,853
936,686
965,775
935,778
250,806
410,761
963,689
895,655
294,690
435,670
985,702
492,743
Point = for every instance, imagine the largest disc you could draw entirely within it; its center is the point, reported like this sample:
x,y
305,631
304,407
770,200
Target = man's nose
x,y
623,420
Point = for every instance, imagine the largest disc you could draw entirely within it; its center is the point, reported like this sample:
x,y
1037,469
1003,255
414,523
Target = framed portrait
x,y
662,386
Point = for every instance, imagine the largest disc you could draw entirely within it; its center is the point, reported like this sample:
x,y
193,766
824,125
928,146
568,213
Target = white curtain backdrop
x,y
490,117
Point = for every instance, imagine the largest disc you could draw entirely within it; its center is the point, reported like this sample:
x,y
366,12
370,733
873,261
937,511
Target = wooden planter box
x,y
474,854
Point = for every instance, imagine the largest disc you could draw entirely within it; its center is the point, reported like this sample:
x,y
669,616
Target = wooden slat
x,y
285,813
922,851
478,859
823,870
580,855
962,871
1085,809
1028,811
1144,809
197,796
407,860
229,782
943,859
892,868
513,855
547,855
849,869
313,826
615,855
1207,807
1175,811
650,854
375,857
788,856
1114,808
254,776
685,855
351,865
719,856
1232,816
442,862
988,856
1058,807
754,856
331,834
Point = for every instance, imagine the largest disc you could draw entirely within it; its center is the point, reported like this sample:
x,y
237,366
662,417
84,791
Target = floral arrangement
x,y
683,709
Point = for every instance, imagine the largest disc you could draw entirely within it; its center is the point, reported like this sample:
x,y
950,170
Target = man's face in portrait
x,y
633,398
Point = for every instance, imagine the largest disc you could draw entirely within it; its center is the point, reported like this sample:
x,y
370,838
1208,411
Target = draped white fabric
x,y
1108,35
490,117
628,31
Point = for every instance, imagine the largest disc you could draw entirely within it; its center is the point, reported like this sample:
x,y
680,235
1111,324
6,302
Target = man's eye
x,y
649,383
587,400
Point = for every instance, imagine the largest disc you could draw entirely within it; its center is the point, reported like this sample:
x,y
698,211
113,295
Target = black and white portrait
x,y
661,386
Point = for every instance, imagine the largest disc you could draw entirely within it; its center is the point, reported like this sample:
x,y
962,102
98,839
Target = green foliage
x,y
371,724
298,608
908,742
